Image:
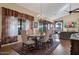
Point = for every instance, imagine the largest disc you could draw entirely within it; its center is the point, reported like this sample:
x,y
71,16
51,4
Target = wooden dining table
x,y
36,36
37,39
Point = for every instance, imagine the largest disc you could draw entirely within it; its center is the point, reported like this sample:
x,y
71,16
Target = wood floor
x,y
22,50
9,51
60,50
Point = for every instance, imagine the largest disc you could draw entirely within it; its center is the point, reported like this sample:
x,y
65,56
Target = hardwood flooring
x,y
7,50
60,50
45,51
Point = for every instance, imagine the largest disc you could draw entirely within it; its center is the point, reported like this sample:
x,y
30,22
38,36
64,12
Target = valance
x,y
9,12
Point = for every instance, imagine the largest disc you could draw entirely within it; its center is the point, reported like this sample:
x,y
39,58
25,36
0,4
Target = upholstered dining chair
x,y
27,42
46,40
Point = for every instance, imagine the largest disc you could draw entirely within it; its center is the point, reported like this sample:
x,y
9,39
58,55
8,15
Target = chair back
x,y
46,38
48,33
30,32
24,35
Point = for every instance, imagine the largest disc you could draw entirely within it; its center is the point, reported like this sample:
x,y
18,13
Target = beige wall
x,y
0,23
18,8
72,17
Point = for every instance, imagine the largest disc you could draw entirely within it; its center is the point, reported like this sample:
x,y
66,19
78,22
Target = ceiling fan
x,y
72,11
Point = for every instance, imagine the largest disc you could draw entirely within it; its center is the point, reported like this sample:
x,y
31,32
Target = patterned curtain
x,y
10,24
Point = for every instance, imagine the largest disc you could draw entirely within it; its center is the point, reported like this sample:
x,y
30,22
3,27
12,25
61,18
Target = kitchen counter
x,y
70,42
66,35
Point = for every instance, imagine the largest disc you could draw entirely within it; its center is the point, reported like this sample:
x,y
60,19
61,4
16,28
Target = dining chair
x,y
46,40
25,41
29,31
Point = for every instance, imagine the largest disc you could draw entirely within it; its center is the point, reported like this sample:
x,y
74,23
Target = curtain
x,y
27,25
12,26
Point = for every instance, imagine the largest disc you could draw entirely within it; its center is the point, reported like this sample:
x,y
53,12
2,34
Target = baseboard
x,y
10,44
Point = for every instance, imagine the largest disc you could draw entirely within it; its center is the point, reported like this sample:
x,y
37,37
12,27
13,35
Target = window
x,y
40,27
19,26
23,25
58,26
27,24
12,26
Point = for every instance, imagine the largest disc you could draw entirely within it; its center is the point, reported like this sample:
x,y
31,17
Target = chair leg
x,y
25,45
31,47
49,44
40,45
44,45
22,44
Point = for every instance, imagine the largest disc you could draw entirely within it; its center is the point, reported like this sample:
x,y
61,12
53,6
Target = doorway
x,y
58,28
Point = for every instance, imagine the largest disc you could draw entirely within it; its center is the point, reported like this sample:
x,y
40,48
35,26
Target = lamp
x,y
41,15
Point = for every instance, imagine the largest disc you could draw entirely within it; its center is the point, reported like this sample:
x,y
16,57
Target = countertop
x,y
69,36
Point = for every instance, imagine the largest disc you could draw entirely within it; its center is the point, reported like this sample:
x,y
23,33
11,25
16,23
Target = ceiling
x,y
49,10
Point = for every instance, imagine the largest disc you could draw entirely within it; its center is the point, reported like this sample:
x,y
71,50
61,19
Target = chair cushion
x,y
29,42
45,40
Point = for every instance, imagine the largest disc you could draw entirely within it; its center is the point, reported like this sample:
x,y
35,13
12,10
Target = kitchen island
x,y
70,42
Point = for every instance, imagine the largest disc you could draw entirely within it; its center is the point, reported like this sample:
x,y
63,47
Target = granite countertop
x,y
74,36
69,35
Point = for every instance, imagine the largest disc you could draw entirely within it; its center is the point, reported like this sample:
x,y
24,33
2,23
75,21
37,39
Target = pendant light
x,y
41,16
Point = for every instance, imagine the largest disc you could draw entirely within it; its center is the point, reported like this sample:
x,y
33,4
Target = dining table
x,y
37,39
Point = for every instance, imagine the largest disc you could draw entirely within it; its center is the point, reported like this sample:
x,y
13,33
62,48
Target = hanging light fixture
x,y
41,15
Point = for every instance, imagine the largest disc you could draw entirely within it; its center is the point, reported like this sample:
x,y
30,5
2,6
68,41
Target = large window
x,y
12,26
58,26
27,25
40,27
23,25
19,26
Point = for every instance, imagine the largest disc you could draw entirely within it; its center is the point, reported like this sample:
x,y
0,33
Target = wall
x,y
0,23
18,8
72,17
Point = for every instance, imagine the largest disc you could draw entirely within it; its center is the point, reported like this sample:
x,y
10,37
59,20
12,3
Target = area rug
x,y
23,51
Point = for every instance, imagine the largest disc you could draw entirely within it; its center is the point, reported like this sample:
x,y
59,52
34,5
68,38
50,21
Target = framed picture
x,y
35,25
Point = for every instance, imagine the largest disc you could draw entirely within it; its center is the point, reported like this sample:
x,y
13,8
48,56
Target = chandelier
x,y
41,16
